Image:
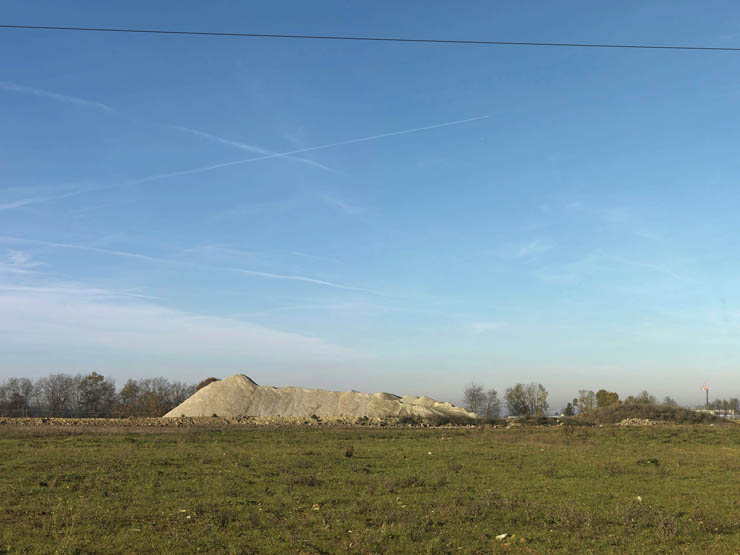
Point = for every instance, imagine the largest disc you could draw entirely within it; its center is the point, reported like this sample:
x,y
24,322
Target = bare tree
x,y
586,400
4,398
56,393
179,392
527,400
160,396
96,395
17,393
90,395
492,405
128,398
475,398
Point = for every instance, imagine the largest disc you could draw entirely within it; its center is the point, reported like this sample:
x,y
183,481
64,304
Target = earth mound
x,y
240,396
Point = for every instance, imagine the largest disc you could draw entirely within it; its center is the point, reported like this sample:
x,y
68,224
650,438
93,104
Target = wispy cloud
x,y
661,269
71,289
36,188
315,257
626,219
533,247
18,262
14,87
53,244
22,202
242,210
159,260
599,262
83,325
45,320
344,206
315,306
616,217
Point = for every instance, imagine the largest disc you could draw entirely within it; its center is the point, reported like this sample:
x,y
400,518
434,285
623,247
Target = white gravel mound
x,y
240,396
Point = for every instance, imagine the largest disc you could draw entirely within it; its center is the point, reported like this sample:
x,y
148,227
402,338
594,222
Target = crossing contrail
x,y
203,169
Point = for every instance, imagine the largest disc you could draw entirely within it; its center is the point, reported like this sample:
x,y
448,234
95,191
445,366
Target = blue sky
x,y
444,213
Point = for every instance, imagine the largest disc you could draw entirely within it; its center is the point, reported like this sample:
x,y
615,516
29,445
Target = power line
x,y
373,39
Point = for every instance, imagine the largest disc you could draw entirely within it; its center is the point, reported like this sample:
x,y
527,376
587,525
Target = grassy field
x,y
336,490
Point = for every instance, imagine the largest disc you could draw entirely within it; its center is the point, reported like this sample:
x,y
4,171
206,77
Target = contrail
x,y
8,86
296,278
248,147
37,200
153,259
15,87
203,169
41,243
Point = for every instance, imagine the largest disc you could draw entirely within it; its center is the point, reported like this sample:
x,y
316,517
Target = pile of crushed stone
x,y
239,396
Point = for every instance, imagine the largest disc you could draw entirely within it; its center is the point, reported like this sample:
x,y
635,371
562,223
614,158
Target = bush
x,y
538,421
411,420
205,382
309,481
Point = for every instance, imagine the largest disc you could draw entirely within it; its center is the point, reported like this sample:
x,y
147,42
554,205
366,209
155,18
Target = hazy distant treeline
x,y
90,395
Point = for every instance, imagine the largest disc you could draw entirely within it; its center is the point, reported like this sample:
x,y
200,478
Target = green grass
x,y
298,490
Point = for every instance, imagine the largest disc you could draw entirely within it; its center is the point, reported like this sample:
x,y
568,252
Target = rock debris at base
x,y
637,422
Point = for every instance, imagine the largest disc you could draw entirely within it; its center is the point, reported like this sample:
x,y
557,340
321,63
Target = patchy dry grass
x,y
296,490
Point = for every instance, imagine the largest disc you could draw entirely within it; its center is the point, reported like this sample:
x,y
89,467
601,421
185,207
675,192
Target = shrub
x,y
310,481
205,382
410,420
452,421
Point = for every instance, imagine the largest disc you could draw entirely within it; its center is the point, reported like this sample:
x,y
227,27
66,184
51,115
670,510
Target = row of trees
x,y
588,400
521,400
531,400
91,395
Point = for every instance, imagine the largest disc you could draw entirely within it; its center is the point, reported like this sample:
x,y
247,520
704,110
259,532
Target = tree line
x,y
91,395
527,400
588,400
523,400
